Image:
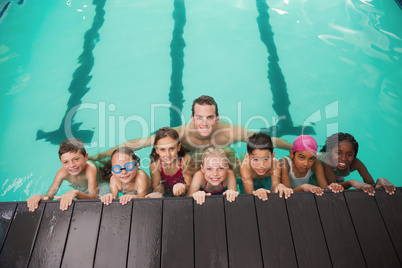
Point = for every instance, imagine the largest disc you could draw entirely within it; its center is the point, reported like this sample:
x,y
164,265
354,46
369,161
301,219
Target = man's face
x,y
204,119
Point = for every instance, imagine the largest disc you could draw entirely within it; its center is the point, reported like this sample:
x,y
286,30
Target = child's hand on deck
x,y
368,189
231,195
262,194
282,189
67,199
154,195
33,201
314,189
179,189
124,199
199,197
389,187
335,187
107,199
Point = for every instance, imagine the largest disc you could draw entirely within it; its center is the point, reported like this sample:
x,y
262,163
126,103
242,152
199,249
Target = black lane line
x,y
79,85
177,54
277,81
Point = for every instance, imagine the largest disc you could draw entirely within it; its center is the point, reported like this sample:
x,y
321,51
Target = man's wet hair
x,y
205,100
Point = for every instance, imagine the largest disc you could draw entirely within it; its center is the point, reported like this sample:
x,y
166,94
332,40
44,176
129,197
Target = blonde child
x,y
80,173
339,160
260,170
297,168
215,180
125,177
168,163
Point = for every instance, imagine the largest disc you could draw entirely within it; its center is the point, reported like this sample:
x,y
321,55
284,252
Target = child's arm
x,y
309,188
142,184
181,188
367,188
33,201
322,182
194,190
328,171
196,183
114,191
154,170
246,178
285,186
361,168
231,192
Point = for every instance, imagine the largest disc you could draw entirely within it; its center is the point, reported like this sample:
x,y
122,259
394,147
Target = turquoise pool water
x,y
109,67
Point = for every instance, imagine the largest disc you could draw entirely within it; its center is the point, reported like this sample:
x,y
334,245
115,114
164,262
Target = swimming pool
x,y
113,68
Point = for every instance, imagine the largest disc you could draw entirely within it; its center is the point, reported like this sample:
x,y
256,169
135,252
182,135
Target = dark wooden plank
x,y
242,233
177,233
308,236
391,211
6,215
374,240
339,232
52,235
275,236
83,234
145,237
210,234
21,237
113,235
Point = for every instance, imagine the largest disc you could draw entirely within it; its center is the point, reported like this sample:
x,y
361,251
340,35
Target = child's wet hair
x,y
214,152
163,133
259,141
336,138
72,146
106,166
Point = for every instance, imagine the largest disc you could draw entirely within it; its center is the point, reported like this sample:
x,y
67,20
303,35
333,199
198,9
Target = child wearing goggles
x,y
125,177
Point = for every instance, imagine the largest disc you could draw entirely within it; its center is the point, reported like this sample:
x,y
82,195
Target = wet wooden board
x,y
308,236
83,235
6,216
52,235
146,234
242,233
375,242
276,238
339,232
177,233
113,235
210,234
21,237
391,211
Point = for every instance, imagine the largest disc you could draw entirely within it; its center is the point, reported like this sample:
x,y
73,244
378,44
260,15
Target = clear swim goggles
x,y
128,167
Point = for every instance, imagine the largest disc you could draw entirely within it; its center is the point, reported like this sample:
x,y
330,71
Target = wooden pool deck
x,y
350,229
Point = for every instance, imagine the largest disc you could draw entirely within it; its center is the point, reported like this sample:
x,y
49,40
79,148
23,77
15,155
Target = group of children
x,y
212,171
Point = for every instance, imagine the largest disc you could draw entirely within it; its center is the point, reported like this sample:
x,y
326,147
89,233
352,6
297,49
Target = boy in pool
x,y
260,170
80,173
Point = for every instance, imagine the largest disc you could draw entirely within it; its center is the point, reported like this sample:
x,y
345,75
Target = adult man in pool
x,y
204,130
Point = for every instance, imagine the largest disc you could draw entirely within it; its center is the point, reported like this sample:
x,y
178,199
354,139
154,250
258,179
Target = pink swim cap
x,y
304,143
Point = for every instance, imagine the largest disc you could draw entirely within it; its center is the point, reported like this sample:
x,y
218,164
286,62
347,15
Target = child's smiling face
x,y
343,155
214,169
303,160
260,161
74,163
121,160
167,149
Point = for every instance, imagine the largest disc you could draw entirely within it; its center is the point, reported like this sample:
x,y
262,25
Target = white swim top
x,y
296,182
